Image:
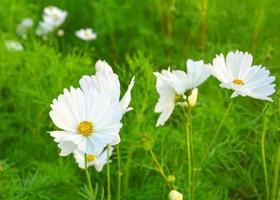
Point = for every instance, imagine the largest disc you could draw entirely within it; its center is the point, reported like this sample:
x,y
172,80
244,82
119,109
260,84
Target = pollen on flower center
x,y
238,82
91,157
86,128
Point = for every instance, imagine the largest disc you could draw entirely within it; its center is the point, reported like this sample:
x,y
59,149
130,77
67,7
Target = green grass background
x,y
136,38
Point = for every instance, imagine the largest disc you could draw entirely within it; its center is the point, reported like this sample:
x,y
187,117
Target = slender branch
x,y
263,158
159,168
119,173
276,176
108,174
89,178
190,154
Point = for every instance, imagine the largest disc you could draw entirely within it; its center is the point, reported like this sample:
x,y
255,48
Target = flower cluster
x,y
90,116
235,72
52,19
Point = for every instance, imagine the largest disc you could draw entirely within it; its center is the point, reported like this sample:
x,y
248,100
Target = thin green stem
x,y
160,168
263,159
119,173
276,176
213,141
190,154
89,178
108,174
230,105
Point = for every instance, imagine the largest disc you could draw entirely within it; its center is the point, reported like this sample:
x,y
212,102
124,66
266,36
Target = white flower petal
x,y
127,98
66,147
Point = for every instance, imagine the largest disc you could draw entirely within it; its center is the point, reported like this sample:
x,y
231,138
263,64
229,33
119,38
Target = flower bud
x,y
171,178
175,195
60,32
193,97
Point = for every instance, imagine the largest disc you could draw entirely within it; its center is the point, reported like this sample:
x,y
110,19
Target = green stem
x,y
119,173
230,105
264,160
108,174
190,154
276,176
89,178
160,168
213,141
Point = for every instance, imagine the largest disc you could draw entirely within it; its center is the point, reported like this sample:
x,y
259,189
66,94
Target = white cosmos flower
x,y
236,72
172,87
86,34
175,195
44,28
23,27
89,120
92,160
106,80
53,17
13,46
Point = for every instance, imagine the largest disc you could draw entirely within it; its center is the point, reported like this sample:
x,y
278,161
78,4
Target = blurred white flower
x,y
179,87
44,28
237,73
86,34
53,17
89,120
175,195
105,79
23,27
92,160
12,45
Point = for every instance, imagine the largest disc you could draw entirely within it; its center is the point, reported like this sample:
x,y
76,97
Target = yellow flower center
x,y
86,128
91,157
238,82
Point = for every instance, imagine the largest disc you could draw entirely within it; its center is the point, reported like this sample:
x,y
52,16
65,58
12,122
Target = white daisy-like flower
x,y
179,87
54,16
44,28
175,195
13,46
86,34
89,120
236,72
92,160
105,79
23,27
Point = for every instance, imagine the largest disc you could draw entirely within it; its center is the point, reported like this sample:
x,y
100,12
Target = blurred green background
x,y
136,38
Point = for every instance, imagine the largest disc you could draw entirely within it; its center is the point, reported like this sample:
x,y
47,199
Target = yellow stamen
x,y
238,82
91,157
86,128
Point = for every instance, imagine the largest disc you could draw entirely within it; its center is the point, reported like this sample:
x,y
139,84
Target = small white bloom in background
x,y
44,29
13,46
53,18
86,34
179,88
236,72
92,160
23,27
175,195
106,80
60,32
89,120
